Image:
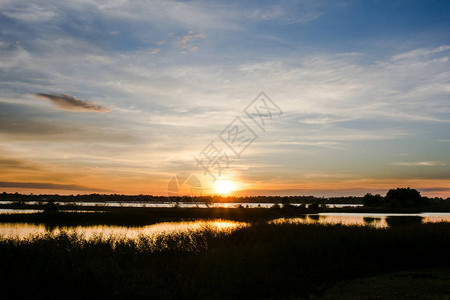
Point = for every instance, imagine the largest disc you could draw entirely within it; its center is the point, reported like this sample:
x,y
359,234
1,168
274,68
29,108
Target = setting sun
x,y
224,186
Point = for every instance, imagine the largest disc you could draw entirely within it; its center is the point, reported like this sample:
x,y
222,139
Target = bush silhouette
x,y
404,197
51,206
370,200
314,206
393,221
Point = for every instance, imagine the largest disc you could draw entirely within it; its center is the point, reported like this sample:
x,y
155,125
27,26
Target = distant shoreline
x,y
290,210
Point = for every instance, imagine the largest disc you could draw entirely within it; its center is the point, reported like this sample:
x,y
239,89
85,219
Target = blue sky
x,y
364,87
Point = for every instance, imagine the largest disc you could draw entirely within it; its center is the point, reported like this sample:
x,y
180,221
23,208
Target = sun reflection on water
x,y
25,230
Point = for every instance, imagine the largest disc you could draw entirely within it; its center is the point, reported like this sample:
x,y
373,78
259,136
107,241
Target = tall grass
x,y
259,261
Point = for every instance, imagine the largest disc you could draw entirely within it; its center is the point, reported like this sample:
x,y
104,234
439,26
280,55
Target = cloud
x,y
435,189
289,12
192,36
420,53
37,124
322,192
8,164
186,42
4,44
70,103
29,12
336,192
48,186
420,163
319,120
155,51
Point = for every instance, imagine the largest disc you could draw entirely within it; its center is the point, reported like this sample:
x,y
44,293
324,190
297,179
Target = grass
x,y
424,284
262,261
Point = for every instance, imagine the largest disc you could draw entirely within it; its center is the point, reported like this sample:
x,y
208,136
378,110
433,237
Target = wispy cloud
x,y
185,42
7,164
420,53
48,186
419,163
322,120
70,103
155,51
29,12
288,12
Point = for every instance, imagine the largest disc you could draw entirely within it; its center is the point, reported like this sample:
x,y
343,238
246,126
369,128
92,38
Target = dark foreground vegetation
x,y
262,261
148,216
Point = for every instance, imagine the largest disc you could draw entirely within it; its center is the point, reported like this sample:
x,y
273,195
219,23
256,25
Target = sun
x,y
224,186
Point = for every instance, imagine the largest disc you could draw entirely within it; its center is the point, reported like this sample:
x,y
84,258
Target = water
x,y
21,211
24,230
171,204
372,219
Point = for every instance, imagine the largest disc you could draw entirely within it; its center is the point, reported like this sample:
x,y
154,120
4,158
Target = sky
x,y
123,96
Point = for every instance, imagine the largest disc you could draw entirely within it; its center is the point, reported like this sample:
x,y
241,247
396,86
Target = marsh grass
x,y
259,261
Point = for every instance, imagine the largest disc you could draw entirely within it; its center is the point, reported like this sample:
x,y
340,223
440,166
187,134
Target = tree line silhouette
x,y
401,198
394,198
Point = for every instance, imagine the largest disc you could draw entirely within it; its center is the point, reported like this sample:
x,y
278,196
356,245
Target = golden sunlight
x,y
224,186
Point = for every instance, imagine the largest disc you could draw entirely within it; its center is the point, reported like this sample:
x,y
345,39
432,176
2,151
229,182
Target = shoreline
x,y
290,209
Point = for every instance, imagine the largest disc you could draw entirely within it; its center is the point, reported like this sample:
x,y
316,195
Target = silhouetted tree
x,y
370,200
314,206
51,206
275,206
286,203
404,197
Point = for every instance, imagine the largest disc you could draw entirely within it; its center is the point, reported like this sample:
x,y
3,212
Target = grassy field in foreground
x,y
262,261
423,284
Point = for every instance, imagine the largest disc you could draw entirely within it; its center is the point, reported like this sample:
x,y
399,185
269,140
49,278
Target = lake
x,y
24,230
372,219
171,204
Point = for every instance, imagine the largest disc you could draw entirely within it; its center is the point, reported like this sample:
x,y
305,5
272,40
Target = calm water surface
x,y
372,219
171,204
24,230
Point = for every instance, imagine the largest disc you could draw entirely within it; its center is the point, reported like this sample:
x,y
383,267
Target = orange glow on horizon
x,y
239,187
